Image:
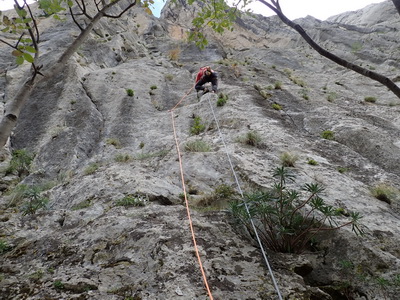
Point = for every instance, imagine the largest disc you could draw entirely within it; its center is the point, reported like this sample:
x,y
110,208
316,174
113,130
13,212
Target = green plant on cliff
x,y
34,200
20,162
4,247
328,135
58,285
287,220
91,169
288,159
222,99
197,126
385,192
130,92
251,138
219,198
197,146
132,200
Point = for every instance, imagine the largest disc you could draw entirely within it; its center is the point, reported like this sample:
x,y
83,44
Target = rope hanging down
x,y
239,189
186,200
245,204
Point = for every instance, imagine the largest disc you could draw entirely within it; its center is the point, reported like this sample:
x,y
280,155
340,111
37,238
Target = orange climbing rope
x,y
185,195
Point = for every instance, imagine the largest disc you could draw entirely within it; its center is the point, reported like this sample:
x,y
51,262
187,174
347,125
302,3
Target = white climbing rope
x,y
244,202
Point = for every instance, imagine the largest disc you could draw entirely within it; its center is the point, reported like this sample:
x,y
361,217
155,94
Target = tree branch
x,y
124,11
340,61
75,21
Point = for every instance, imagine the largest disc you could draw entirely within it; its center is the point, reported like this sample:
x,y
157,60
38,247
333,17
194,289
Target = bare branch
x,y
75,21
19,40
82,7
36,41
7,43
124,11
340,61
97,3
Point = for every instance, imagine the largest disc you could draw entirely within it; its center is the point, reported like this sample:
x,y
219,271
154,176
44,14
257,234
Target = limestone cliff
x,y
95,143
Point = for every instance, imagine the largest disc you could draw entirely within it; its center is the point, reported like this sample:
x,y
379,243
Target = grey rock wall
x,y
85,118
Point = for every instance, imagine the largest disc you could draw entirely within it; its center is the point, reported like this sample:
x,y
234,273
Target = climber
x,y
206,74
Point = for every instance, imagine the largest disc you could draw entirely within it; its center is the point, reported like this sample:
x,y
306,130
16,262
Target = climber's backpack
x,y
200,74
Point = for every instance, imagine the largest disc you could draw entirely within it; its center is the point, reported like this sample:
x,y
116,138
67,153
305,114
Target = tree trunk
x,y
365,72
14,107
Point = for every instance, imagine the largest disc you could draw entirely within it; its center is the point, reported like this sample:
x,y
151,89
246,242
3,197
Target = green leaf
x,y
16,53
19,60
28,57
21,12
30,49
26,41
18,21
6,21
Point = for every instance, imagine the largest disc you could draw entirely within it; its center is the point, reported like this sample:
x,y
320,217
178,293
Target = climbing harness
x,y
238,187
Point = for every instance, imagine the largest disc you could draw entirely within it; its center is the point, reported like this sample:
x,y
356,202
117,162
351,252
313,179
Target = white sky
x,y
320,9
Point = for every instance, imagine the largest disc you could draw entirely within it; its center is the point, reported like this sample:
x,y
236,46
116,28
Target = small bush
x,y
342,169
4,247
276,106
132,200
169,77
153,87
35,201
130,92
17,195
370,99
58,285
197,146
312,162
222,99
328,135
91,169
83,204
288,159
224,191
265,94
113,141
288,220
20,163
331,96
385,193
174,54
298,81
251,138
219,198
197,127
288,72
123,158
304,94
278,85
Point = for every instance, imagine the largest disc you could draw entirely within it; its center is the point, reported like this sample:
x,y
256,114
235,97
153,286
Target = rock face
x,y
94,144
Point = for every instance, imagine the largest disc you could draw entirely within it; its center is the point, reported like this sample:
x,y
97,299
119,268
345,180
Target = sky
x,y
293,9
